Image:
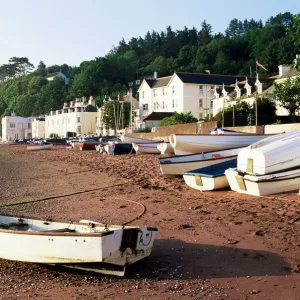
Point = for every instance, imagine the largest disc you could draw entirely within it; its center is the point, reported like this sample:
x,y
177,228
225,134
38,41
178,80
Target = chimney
x,y
283,69
155,75
92,101
120,97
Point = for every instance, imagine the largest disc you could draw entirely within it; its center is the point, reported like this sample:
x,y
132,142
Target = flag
x,y
261,66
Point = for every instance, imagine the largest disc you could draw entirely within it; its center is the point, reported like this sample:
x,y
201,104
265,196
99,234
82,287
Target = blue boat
x,y
211,177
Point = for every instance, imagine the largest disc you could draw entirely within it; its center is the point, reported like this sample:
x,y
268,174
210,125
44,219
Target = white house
x,y
38,127
16,127
182,92
76,118
52,76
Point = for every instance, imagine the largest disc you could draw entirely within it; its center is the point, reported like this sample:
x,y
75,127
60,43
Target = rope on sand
x,y
82,192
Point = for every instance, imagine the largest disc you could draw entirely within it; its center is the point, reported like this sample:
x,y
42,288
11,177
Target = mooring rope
x,y
82,192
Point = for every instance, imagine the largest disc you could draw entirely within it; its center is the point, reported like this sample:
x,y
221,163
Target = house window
x,y
12,125
29,125
145,106
200,115
163,91
154,93
155,105
173,103
143,94
173,89
201,89
212,90
78,119
211,104
200,103
163,105
78,129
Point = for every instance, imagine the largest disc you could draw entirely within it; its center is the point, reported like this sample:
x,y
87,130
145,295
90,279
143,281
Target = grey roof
x,y
160,82
150,81
290,73
53,74
214,79
158,116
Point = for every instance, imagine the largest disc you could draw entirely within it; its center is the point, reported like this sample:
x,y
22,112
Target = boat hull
x,y
242,184
177,165
188,144
40,147
73,243
165,148
146,148
203,183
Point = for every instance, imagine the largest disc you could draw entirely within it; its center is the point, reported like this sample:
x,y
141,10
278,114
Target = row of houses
x,y
204,95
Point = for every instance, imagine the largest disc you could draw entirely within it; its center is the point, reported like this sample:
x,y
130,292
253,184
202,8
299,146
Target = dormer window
x,y
238,92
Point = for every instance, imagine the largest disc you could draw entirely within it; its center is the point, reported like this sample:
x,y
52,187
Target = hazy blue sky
x,y
71,31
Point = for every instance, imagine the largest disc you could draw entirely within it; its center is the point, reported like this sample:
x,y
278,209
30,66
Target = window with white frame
x,y
155,105
78,129
12,125
173,89
211,104
78,119
154,93
200,102
212,90
163,104
173,103
163,91
143,94
201,89
145,106
29,125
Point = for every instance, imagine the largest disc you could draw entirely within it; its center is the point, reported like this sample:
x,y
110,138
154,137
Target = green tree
x,y
178,118
287,94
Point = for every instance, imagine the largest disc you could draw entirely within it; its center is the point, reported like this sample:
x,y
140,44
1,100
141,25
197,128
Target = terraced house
x,y
182,92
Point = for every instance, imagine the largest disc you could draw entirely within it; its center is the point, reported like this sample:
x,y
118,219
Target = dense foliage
x,y
190,49
288,94
178,118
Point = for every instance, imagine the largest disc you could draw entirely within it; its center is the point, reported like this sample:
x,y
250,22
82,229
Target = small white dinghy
x,y
165,148
146,148
197,143
263,185
270,155
209,178
131,139
75,245
177,165
40,147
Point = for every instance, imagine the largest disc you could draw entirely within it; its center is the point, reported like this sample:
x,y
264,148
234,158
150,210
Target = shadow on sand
x,y
175,259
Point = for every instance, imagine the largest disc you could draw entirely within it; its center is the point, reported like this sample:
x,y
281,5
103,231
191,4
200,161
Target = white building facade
x,y
76,118
182,92
38,128
16,127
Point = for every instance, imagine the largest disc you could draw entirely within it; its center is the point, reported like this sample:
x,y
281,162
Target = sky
x,y
72,31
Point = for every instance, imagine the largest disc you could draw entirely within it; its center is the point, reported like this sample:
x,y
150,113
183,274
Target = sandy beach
x,y
213,245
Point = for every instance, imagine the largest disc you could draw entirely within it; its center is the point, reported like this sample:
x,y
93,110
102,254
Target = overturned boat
x,y
273,154
196,143
165,148
177,165
40,147
209,178
80,245
131,139
262,185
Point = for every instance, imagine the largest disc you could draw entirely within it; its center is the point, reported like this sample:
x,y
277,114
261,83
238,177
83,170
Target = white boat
x,y
74,244
131,139
197,143
146,148
40,147
273,154
177,165
99,148
165,148
209,178
225,131
263,185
